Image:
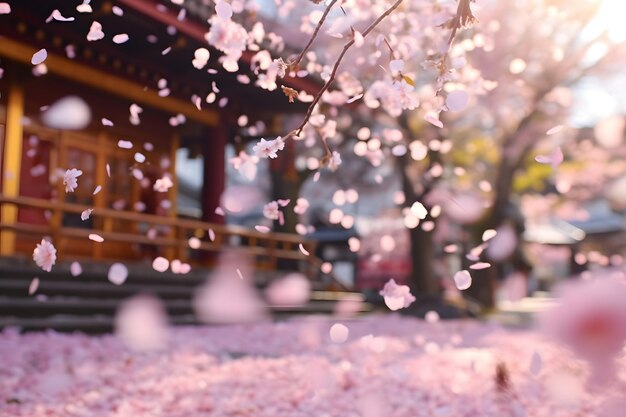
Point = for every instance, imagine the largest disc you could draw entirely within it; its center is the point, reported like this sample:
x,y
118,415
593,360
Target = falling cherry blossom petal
x,y
160,264
554,130
304,251
396,296
85,7
480,265
118,273
120,38
457,100
85,214
431,316
339,333
44,255
536,363
124,144
95,32
433,119
396,65
75,269
223,9
97,189
56,15
554,159
34,285
489,234
463,280
39,57
5,8
96,238
194,242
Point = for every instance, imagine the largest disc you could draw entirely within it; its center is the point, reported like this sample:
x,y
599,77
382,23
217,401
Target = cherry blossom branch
x,y
315,32
333,73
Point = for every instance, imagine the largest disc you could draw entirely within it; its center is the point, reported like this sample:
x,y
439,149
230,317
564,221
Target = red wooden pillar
x,y
214,181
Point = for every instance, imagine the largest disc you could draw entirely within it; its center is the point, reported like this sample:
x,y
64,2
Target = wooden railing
x,y
265,248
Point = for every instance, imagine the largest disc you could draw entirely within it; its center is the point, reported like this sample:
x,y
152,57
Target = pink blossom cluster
x,y
388,366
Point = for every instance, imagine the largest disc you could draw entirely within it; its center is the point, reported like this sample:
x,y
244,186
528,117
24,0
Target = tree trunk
x,y
484,282
422,279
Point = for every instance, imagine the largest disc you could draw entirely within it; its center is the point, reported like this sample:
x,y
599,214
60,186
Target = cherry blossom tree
x,y
421,65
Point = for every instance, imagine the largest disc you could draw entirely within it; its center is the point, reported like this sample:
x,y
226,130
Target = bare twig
x,y
317,29
462,19
331,78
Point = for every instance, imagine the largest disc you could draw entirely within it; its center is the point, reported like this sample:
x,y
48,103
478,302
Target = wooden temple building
x,y
136,223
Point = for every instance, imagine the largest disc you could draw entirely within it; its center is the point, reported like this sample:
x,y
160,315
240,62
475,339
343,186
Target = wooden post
x,y
214,173
175,231
11,165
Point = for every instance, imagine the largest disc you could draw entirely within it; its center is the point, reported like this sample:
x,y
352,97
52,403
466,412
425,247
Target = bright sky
x,y
598,99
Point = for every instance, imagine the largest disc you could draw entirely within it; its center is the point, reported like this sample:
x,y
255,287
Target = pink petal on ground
x,y
34,284
462,280
39,57
339,333
536,363
160,264
117,273
141,323
96,238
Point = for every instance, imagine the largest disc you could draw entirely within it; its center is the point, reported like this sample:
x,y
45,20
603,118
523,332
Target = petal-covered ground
x,y
389,366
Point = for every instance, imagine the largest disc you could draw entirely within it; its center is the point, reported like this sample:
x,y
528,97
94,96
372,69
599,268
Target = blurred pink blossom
x,y
45,255
591,319
397,296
